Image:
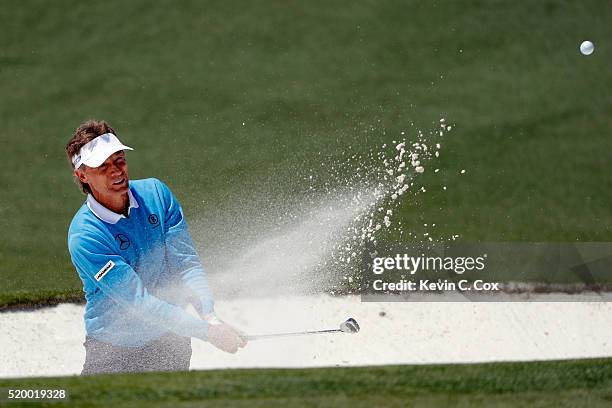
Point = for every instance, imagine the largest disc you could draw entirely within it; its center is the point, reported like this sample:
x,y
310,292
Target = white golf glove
x,y
223,336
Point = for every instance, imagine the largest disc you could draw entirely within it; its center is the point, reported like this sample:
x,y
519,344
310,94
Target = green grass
x,y
221,101
580,383
39,298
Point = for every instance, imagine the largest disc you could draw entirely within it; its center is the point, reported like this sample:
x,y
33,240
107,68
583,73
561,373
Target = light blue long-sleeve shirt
x,y
139,272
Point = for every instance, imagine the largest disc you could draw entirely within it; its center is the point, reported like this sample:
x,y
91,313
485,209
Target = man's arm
x,y
116,279
182,256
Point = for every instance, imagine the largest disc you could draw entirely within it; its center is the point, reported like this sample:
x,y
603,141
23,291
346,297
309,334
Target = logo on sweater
x,y
109,265
154,220
123,241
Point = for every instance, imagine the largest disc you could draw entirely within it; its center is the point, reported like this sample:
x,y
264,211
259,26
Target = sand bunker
x,y
48,342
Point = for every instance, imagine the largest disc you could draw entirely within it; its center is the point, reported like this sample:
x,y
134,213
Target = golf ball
x,y
587,48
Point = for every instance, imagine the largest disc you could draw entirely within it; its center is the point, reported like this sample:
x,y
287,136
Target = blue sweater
x,y
140,272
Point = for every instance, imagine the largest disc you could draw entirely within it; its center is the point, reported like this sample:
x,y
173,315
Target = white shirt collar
x,y
104,213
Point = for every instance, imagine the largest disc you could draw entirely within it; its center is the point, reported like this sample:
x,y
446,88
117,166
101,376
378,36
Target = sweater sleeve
x,y
182,256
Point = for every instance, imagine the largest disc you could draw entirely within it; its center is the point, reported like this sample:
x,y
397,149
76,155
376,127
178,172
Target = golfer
x,y
131,247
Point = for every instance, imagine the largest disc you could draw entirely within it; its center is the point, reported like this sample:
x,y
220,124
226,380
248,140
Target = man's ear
x,y
81,175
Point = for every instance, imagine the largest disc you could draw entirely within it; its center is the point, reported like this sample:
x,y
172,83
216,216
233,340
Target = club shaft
x,y
267,336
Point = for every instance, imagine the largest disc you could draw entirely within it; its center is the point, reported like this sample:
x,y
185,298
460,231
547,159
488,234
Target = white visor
x,y
94,153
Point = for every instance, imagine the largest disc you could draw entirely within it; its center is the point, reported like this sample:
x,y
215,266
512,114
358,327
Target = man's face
x,y
110,178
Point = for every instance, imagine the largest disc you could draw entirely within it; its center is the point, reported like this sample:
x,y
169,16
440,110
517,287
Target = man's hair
x,y
85,133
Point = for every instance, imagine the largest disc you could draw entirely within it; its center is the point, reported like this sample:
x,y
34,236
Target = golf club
x,y
350,325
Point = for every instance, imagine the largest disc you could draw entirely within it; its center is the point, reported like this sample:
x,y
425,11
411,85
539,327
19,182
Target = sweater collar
x,y
104,213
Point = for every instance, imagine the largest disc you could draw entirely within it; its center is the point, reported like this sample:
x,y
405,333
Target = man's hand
x,y
223,336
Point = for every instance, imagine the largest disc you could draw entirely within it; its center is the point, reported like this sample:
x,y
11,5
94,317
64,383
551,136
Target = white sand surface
x,y
48,342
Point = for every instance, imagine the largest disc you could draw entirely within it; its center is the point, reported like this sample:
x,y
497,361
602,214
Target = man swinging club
x,y
131,247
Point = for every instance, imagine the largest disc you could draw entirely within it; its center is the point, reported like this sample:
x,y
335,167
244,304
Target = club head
x,y
349,326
